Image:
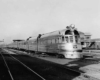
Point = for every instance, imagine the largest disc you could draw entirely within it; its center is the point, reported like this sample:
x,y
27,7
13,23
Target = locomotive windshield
x,y
65,39
76,33
71,36
68,38
76,38
68,32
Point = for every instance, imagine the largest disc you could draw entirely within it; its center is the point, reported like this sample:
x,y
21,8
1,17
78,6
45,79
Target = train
x,y
62,43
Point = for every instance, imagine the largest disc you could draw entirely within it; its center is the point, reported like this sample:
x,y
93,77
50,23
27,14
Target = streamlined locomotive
x,y
63,43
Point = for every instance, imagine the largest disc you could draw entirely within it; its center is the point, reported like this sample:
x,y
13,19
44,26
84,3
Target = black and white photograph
x,y
49,39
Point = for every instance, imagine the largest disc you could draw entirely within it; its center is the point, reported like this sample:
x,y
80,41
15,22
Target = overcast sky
x,y
20,19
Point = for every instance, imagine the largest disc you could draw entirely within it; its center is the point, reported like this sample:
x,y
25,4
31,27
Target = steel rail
x,y
7,67
66,67
28,68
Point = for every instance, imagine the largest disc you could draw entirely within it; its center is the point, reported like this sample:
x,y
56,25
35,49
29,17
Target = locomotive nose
x,y
69,46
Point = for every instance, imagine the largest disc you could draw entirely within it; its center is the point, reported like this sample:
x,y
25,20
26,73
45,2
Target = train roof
x,y
59,32
62,32
54,33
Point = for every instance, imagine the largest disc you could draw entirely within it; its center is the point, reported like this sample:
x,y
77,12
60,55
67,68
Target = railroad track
x,y
43,69
69,68
22,65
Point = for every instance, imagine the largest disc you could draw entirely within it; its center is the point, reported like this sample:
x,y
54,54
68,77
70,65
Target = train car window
x,y
76,39
66,38
56,40
87,43
82,43
49,41
39,42
33,43
63,38
71,38
98,47
30,43
42,42
59,39
53,41
45,41
82,38
87,37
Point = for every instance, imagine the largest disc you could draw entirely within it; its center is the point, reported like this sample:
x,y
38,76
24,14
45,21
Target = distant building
x,y
84,37
18,40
